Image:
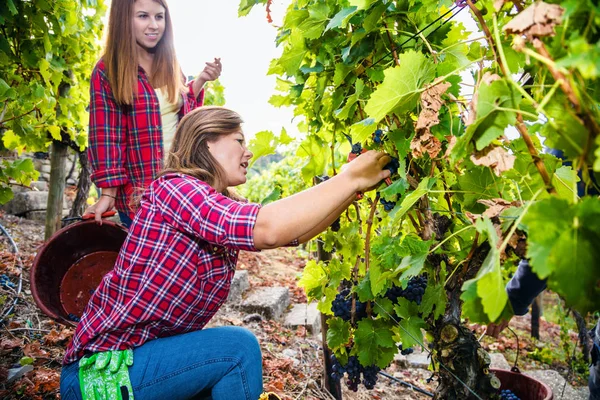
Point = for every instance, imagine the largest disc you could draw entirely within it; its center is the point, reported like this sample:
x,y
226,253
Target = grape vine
x,y
469,118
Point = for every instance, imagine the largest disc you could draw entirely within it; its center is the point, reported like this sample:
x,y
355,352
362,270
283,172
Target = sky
x,y
206,29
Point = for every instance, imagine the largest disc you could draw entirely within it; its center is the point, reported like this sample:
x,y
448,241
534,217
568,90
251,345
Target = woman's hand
x,y
105,203
366,170
211,72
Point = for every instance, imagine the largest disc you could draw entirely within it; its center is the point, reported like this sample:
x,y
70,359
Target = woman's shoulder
x,y
181,181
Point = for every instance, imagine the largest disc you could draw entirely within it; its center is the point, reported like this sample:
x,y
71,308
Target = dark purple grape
x,y
393,166
377,136
357,148
342,306
387,205
507,394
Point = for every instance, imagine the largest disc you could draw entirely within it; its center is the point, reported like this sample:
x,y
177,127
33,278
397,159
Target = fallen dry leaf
x,y
7,345
34,350
494,157
55,337
539,19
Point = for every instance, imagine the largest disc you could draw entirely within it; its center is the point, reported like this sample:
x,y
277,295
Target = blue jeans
x,y
125,219
221,363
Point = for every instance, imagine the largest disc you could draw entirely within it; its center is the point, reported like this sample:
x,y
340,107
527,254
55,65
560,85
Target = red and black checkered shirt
x,y
173,271
125,142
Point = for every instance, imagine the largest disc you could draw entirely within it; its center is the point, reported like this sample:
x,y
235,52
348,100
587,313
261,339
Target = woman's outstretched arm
x,y
299,216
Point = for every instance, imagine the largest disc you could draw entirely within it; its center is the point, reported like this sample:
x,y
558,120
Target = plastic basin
x,y
525,387
70,265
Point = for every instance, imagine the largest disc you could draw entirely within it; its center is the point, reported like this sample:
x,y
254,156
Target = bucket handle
x,y
514,367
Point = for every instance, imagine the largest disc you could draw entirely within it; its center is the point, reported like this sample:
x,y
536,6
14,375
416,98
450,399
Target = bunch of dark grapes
x,y
353,370
406,351
377,136
387,205
393,166
507,394
370,376
342,306
337,371
413,292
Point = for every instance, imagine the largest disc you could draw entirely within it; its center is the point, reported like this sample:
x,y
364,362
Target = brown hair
x,y
121,55
189,152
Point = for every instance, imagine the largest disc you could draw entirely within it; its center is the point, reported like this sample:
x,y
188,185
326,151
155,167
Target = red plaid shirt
x,y
125,142
174,269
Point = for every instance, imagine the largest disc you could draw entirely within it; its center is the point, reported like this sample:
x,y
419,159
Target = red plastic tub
x,y
70,265
525,387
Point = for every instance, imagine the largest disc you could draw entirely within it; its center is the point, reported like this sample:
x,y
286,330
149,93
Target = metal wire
x,y
399,47
20,286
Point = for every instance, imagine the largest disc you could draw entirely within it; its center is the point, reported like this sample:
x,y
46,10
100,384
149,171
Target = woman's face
x,y
231,153
148,23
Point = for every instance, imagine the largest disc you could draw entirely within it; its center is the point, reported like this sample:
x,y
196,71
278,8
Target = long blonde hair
x,y
189,152
121,55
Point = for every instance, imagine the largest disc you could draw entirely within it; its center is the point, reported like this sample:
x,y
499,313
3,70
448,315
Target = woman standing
x,y
137,96
142,333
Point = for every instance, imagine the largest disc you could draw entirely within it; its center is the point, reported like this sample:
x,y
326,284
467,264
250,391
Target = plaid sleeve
x,y
192,206
107,133
195,101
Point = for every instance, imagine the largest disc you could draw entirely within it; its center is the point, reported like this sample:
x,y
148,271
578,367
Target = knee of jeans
x,y
247,343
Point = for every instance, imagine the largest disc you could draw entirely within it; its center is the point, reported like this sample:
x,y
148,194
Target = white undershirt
x,y
170,118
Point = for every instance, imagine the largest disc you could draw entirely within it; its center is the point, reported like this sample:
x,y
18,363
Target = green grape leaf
x,y
434,300
338,332
318,156
410,331
271,197
399,186
472,307
341,18
313,279
409,200
384,308
374,340
401,87
565,248
361,130
313,26
261,145
494,113
6,194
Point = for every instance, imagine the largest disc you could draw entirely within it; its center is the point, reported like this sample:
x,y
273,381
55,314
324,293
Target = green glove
x,y
105,375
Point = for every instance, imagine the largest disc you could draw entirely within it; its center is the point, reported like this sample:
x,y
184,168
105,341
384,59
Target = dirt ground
x,y
292,359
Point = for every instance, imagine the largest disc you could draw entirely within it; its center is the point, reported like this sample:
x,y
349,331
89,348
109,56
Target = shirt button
x,y
215,249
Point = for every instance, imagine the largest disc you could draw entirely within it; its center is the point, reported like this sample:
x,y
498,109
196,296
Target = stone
x,y
40,216
418,360
557,383
304,315
17,373
239,284
270,302
498,361
24,202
